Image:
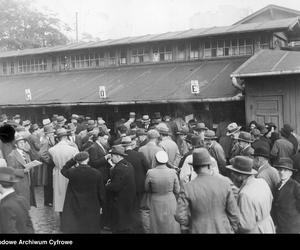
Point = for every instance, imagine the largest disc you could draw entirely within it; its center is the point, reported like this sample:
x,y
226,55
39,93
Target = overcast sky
x,y
110,19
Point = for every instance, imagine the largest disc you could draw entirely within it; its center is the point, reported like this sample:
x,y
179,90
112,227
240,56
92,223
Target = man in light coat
x,y
254,198
60,154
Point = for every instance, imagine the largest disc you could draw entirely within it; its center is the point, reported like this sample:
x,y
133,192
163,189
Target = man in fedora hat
x,y
85,196
140,165
264,169
18,158
146,122
230,139
215,149
200,130
17,119
207,204
262,140
187,172
14,213
48,141
130,120
168,145
122,189
180,136
76,139
286,205
243,145
254,198
60,154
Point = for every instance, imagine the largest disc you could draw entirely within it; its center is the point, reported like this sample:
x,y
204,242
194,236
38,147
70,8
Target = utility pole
x,y
77,27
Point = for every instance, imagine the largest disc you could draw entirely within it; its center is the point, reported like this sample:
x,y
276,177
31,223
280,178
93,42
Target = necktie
x,y
24,157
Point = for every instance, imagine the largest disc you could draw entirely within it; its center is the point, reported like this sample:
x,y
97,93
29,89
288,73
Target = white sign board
x,y
195,89
28,95
102,92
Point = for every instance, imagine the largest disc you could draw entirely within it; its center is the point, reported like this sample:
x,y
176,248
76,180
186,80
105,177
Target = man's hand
x,y
108,182
107,157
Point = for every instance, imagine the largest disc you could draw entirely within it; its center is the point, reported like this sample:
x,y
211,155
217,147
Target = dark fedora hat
x,y
261,151
201,157
7,175
242,165
49,129
62,132
286,163
200,127
245,136
118,150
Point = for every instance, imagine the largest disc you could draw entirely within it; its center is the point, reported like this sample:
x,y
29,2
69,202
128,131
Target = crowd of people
x,y
142,175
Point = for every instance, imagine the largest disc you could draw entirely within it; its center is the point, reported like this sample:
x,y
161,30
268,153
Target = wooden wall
x,y
271,98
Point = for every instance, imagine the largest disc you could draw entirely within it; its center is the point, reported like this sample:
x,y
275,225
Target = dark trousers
x,y
48,189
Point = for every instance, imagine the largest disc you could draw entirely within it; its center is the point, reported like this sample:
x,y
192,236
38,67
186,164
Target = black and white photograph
x,y
149,117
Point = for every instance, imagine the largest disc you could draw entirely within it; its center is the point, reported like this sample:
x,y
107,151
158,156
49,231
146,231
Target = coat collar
x,y
7,197
19,157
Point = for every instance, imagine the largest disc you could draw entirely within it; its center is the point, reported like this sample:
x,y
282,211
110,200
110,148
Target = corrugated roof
x,y
270,62
140,84
212,31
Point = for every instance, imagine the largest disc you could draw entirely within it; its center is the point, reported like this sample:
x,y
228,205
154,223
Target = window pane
x,y
207,45
214,44
227,43
220,43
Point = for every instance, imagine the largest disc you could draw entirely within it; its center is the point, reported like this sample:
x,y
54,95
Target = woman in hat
x,y
162,184
286,204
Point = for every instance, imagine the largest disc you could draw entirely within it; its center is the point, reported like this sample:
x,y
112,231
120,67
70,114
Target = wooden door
x,y
265,109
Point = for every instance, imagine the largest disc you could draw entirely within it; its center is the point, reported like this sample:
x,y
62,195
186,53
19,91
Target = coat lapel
x,y
19,158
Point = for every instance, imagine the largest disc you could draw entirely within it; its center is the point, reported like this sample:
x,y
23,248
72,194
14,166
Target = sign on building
x,y
102,92
195,89
28,95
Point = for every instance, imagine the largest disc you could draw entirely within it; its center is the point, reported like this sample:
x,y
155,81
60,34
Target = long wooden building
x,y
176,73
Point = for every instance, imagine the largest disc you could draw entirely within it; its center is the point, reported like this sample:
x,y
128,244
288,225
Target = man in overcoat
x,y
207,204
140,165
264,169
17,159
286,205
60,154
254,197
123,191
14,214
85,196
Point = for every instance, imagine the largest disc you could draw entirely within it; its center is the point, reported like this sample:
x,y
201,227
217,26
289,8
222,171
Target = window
x,y
264,42
194,52
32,65
112,57
123,57
162,53
234,47
180,55
140,55
12,68
4,68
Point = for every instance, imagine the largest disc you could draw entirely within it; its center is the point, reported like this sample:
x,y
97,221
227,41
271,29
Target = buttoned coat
x,y
14,215
255,203
16,161
98,161
270,175
149,150
140,165
162,184
287,207
123,192
207,205
84,197
60,154
172,150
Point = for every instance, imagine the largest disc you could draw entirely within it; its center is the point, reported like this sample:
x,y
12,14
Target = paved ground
x,y
45,220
